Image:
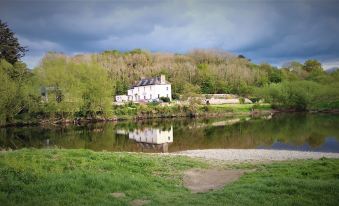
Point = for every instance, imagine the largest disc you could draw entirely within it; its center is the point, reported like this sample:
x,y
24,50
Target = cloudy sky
x,y
273,31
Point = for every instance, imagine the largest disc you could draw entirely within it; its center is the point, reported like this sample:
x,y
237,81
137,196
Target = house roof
x,y
148,81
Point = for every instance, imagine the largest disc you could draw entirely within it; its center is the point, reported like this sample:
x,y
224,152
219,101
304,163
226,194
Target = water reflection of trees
x,y
291,129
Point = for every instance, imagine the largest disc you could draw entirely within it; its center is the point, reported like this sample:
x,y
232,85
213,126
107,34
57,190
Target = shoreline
x,y
254,155
224,155
76,121
141,117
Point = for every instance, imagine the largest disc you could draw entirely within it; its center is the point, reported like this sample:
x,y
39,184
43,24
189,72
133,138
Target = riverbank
x,y
83,177
255,155
137,112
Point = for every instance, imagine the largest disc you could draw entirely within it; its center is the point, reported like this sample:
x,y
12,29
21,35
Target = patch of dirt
x,y
139,202
118,194
204,180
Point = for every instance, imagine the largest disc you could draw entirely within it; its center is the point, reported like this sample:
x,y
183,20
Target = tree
x,y
80,89
10,48
312,65
7,92
15,91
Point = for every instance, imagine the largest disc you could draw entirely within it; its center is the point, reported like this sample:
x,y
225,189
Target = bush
x,y
299,95
206,108
254,99
242,100
165,99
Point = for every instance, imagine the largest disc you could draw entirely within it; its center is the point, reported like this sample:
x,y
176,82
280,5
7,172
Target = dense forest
x,y
85,85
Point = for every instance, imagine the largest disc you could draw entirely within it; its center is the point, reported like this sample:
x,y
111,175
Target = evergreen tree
x,y
10,48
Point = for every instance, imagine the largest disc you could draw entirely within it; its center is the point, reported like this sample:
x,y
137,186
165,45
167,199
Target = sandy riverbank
x,y
243,155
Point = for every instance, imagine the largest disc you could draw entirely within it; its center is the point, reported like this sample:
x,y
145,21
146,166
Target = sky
x,y
270,31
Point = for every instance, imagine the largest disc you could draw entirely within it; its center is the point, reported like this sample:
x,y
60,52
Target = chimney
x,y
162,79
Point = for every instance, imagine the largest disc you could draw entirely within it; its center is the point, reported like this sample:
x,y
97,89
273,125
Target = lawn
x,y
238,107
83,177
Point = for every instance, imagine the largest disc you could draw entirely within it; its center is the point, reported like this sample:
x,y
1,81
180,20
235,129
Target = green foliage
x,y
85,88
301,95
7,92
15,91
205,79
312,65
242,100
121,87
10,49
190,90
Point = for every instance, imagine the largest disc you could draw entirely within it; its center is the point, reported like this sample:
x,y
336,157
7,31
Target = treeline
x,y
295,86
85,85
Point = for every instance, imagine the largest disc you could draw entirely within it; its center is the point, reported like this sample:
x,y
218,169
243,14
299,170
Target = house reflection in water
x,y
150,139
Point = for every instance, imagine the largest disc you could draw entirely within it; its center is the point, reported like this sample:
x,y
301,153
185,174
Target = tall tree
x,y
312,65
10,48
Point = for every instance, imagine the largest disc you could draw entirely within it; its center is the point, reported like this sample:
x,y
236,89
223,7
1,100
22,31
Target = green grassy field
x,y
83,177
126,112
238,107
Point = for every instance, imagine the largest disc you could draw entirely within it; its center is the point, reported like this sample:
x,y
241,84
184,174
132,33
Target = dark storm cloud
x,y
263,30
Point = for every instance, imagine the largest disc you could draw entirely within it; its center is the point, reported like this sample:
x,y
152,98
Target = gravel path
x,y
255,154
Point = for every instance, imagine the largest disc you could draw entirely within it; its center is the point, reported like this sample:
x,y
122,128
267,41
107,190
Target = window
x,y
150,96
150,87
158,95
167,88
145,97
167,95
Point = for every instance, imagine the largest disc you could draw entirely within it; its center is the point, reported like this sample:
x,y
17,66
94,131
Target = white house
x,y
147,90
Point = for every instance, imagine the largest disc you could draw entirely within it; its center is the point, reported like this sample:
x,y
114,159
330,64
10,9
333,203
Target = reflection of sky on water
x,y
330,145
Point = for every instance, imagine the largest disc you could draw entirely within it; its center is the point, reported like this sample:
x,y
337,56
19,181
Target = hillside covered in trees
x,y
199,71
85,85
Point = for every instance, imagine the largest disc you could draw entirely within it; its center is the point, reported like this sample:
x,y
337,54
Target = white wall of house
x,y
121,98
149,92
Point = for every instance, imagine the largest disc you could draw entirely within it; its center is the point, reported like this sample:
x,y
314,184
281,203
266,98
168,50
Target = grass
x,y
237,108
83,177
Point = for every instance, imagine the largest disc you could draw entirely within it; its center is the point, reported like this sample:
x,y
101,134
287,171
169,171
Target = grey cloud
x,y
263,30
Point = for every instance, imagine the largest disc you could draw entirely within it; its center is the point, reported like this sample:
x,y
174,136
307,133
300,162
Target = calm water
x,y
289,131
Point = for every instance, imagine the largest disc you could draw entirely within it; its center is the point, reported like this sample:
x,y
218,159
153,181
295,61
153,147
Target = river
x,y
303,132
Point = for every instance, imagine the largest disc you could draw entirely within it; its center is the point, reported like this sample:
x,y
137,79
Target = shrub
x,y
298,95
206,108
242,100
165,99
